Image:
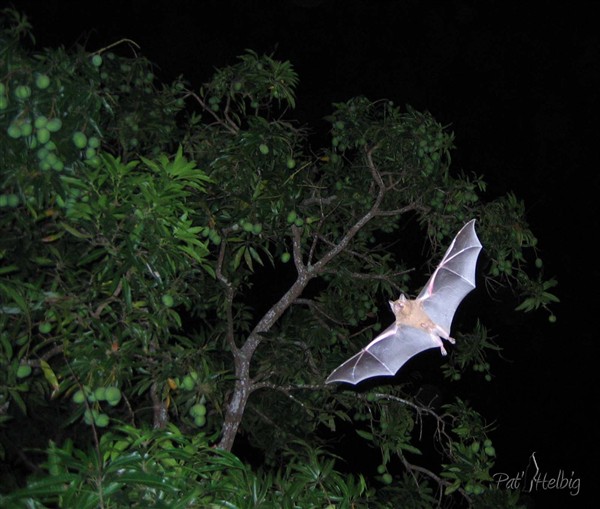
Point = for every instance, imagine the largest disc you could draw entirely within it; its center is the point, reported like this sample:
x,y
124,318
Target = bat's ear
x,y
397,305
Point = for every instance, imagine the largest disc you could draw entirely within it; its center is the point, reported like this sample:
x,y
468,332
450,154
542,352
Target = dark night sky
x,y
520,87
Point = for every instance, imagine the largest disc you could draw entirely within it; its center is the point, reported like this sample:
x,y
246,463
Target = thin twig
x,y
229,125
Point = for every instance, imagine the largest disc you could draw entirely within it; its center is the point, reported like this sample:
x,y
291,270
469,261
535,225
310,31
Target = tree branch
x,y
227,123
229,293
159,407
243,356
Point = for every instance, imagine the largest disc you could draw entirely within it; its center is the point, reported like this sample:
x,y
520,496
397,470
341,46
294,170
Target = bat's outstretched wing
x,y
421,323
384,355
453,279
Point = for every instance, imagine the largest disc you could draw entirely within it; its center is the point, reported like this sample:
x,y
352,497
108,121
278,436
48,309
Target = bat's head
x,y
398,306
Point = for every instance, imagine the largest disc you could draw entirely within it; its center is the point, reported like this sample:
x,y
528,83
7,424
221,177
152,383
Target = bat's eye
x,y
398,307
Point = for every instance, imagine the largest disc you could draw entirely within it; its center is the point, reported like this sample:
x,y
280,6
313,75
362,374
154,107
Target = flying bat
x,y
423,322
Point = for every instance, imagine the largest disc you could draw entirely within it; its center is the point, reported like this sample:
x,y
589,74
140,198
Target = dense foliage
x,y
180,268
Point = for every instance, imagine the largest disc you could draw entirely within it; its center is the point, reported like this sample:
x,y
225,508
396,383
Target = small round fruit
x,y
40,122
42,153
97,60
290,163
54,125
489,450
237,86
113,402
247,227
291,217
168,300
381,469
23,371
79,139
285,257
3,102
93,142
42,81
552,318
89,415
22,92
51,158
101,420
43,135
198,409
26,129
387,478
200,420
12,200
113,395
78,397
94,162
100,393
256,228
264,149
14,131
188,383
45,327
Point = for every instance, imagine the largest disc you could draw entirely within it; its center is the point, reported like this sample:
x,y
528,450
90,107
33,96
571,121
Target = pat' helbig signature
x,y
534,479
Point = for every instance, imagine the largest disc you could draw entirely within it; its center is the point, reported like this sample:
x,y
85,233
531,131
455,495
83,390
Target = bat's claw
x,y
452,340
440,343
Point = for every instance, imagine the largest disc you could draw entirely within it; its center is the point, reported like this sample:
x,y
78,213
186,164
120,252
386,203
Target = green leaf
x,y
18,400
74,231
16,297
255,255
8,350
193,253
365,434
8,269
237,258
91,256
407,447
49,374
248,259
452,487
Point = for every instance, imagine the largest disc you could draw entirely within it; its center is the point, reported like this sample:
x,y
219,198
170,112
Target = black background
x,y
517,81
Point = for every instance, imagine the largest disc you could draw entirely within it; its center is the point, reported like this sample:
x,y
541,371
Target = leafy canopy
x,y
180,269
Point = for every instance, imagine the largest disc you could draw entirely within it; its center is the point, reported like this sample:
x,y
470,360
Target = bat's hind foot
x,y
438,340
